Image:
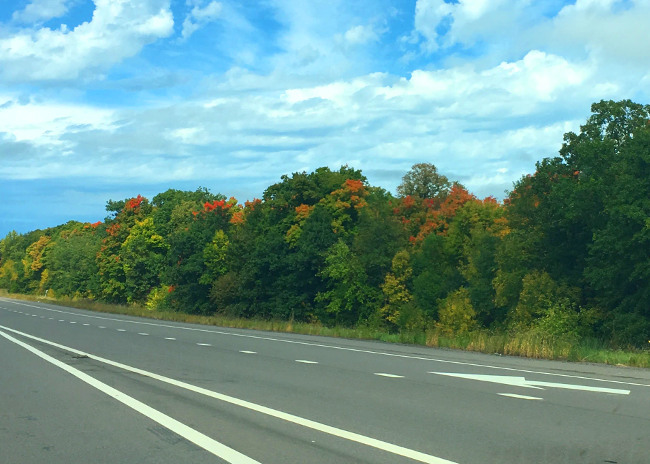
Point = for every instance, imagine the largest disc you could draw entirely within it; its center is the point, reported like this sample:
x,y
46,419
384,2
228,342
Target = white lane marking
x,y
86,324
352,436
142,333
305,361
33,315
61,320
73,322
170,338
121,330
204,344
392,376
51,318
102,327
218,449
521,397
248,352
333,347
522,382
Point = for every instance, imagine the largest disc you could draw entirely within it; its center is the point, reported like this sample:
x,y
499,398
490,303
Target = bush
x,y
456,315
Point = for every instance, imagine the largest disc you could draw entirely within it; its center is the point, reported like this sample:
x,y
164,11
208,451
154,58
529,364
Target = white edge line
x,y
218,449
334,347
352,436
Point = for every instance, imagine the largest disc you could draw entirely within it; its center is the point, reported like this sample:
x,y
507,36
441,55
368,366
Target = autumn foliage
x,y
565,254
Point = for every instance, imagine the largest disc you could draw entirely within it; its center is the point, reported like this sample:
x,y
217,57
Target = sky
x,y
108,99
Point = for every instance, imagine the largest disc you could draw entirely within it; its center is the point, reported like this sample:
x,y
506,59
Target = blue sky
x,y
108,99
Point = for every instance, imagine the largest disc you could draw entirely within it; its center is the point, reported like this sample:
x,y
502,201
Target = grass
x,y
528,344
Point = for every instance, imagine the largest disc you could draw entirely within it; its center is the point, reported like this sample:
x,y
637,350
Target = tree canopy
x,y
566,254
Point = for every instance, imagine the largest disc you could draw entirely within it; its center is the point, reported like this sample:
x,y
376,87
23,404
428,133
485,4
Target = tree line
x,y
566,254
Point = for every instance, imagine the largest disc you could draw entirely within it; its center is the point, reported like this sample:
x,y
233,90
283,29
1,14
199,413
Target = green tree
x,y
348,299
70,260
143,254
424,181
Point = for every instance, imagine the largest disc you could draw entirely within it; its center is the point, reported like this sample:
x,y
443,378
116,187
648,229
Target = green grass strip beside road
x,y
528,344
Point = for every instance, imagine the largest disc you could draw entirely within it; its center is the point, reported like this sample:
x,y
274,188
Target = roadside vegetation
x,y
529,345
560,269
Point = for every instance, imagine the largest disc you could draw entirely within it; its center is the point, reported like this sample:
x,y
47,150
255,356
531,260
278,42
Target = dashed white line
x,y
204,344
73,322
101,327
334,347
170,338
248,352
521,397
61,320
305,361
392,376
121,330
86,324
142,333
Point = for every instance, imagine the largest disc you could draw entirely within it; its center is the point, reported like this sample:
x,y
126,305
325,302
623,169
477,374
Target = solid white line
x,y
392,376
333,347
248,352
372,442
218,449
304,361
521,397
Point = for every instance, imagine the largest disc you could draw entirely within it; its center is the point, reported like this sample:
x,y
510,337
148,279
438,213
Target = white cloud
x,y
613,31
45,123
428,15
118,29
41,10
200,16
463,119
360,35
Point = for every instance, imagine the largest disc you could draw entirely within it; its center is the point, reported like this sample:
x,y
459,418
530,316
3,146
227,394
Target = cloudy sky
x,y
108,99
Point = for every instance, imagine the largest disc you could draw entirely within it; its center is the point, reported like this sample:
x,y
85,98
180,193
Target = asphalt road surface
x,y
81,387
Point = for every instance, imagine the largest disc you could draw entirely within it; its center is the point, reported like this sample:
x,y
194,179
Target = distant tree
x,y
424,181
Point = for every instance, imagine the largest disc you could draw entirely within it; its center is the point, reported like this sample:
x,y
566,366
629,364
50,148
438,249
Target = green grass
x,y
528,344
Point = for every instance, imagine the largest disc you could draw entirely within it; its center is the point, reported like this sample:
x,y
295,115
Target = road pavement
x,y
80,386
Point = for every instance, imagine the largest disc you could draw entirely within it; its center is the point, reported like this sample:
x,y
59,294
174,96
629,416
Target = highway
x,y
81,386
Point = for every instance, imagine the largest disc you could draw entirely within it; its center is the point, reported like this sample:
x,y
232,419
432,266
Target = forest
x,y
566,253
